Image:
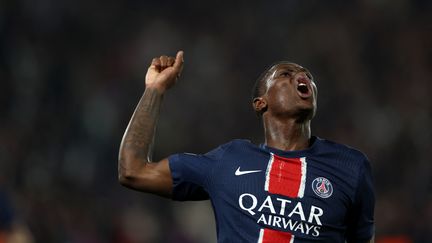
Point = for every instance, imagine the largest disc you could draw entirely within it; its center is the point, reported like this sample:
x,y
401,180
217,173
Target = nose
x,y
301,77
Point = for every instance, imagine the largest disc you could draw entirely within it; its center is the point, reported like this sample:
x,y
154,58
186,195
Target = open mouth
x,y
303,89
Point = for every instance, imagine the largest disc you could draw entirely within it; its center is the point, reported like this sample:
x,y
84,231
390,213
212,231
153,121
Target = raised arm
x,y
135,167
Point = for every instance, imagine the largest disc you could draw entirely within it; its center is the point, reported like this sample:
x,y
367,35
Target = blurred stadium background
x,y
72,72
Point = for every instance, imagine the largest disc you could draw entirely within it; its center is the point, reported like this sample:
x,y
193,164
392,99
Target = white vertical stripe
x,y
269,166
303,177
292,239
261,236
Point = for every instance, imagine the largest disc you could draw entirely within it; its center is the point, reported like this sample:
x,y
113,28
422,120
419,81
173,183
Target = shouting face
x,y
287,89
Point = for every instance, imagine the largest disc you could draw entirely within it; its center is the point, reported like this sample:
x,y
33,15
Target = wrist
x,y
158,88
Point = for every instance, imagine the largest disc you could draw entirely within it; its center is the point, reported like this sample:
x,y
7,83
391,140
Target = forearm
x,y
134,168
136,146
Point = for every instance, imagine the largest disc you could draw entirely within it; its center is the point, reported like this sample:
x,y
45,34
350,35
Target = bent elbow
x,y
123,179
128,175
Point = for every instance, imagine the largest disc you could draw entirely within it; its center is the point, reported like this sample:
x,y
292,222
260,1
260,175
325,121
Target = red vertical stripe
x,y
274,236
285,176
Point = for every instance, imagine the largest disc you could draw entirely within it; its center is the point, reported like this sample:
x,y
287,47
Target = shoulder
x,y
341,148
236,146
343,151
237,142
241,141
233,144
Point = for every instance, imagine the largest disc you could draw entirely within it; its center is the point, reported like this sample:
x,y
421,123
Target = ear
x,y
259,105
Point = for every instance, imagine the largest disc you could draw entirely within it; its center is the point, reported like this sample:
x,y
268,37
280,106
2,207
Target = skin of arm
x,y
135,167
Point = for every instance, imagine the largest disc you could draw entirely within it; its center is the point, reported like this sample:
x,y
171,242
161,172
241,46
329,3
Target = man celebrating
x,y
292,188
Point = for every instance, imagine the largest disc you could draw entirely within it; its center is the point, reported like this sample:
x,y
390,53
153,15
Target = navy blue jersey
x,y
261,194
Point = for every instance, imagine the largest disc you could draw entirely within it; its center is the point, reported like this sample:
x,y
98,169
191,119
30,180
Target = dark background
x,y
72,72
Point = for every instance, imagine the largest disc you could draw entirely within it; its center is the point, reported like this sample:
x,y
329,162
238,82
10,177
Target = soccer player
x,y
294,187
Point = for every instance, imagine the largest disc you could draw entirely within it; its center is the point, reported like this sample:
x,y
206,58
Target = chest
x,y
309,190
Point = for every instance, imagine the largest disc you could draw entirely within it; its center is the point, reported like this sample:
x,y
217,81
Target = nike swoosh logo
x,y
239,172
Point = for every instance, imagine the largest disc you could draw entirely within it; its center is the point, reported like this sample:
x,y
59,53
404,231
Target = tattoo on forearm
x,y
140,133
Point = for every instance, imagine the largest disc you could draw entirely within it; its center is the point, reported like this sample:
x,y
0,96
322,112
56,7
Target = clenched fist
x,y
164,72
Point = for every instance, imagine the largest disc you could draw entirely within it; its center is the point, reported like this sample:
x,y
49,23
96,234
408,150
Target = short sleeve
x,y
190,173
361,222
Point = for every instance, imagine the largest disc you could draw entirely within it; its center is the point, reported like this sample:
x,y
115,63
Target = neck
x,y
286,134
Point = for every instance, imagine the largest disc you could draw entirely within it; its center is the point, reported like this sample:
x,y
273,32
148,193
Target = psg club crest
x,y
322,187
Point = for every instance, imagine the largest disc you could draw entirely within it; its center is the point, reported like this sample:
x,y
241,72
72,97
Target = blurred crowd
x,y
71,73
